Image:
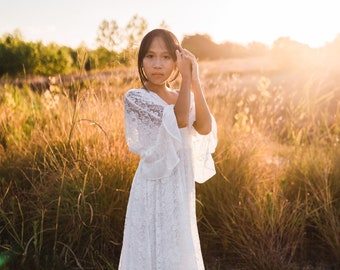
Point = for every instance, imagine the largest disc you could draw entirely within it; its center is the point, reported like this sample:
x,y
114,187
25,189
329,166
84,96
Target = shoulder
x,y
134,94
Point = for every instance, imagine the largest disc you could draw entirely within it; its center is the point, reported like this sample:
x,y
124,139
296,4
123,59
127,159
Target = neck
x,y
155,88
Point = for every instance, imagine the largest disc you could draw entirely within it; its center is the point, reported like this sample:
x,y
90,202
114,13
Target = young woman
x,y
174,134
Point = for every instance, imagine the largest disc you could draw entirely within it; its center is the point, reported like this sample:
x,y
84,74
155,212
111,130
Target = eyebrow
x,y
162,52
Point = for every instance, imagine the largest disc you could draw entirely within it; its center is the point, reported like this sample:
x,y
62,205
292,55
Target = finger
x,y
184,52
190,54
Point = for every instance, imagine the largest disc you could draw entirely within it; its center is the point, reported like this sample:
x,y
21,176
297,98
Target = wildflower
x,y
50,101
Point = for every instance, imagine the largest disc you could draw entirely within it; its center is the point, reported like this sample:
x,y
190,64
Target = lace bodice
x,y
152,132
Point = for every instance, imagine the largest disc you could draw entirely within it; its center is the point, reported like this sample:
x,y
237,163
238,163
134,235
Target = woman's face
x,y
157,63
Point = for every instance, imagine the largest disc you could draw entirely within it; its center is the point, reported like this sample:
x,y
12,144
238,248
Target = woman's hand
x,y
194,66
187,64
188,67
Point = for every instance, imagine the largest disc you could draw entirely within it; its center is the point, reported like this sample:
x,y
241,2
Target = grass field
x,y
65,170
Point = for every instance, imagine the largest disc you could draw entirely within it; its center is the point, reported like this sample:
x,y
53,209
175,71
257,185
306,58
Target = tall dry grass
x,y
65,172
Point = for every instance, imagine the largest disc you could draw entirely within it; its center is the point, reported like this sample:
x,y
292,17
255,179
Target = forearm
x,y
203,123
182,105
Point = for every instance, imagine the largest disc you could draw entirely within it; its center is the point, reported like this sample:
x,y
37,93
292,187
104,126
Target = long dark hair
x,y
171,43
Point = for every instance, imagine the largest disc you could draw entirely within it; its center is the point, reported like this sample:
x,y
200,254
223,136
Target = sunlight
x,y
241,21
313,23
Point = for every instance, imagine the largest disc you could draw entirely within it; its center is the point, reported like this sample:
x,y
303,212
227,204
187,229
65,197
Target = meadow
x,y
65,169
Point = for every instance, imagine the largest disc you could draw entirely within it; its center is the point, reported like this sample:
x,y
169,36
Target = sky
x,y
73,22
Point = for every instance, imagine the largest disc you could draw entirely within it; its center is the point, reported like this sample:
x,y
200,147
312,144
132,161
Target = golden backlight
x,y
313,23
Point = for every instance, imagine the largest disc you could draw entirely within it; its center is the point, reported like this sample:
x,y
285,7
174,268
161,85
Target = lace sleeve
x,y
151,131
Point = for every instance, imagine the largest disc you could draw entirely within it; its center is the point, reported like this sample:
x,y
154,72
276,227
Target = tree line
x,y
118,46
19,58
115,46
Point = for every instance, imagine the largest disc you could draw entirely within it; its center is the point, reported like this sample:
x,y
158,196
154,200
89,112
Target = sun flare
x,y
313,23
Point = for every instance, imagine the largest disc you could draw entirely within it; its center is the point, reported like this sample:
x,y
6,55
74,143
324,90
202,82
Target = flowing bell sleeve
x,y
151,132
202,148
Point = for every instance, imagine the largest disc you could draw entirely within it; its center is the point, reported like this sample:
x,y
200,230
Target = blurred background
x,y
270,71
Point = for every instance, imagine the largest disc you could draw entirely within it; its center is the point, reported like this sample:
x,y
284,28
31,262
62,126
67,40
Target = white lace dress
x,y
160,227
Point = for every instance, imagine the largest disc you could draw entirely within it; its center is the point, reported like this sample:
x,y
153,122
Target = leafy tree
x,y
287,53
135,30
109,35
202,46
116,44
16,56
333,47
257,49
53,59
232,50
102,58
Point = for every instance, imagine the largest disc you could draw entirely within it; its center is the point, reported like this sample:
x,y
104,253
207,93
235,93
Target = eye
x,y
167,57
149,56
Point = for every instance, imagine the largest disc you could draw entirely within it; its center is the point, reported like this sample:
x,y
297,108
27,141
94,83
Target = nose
x,y
157,62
